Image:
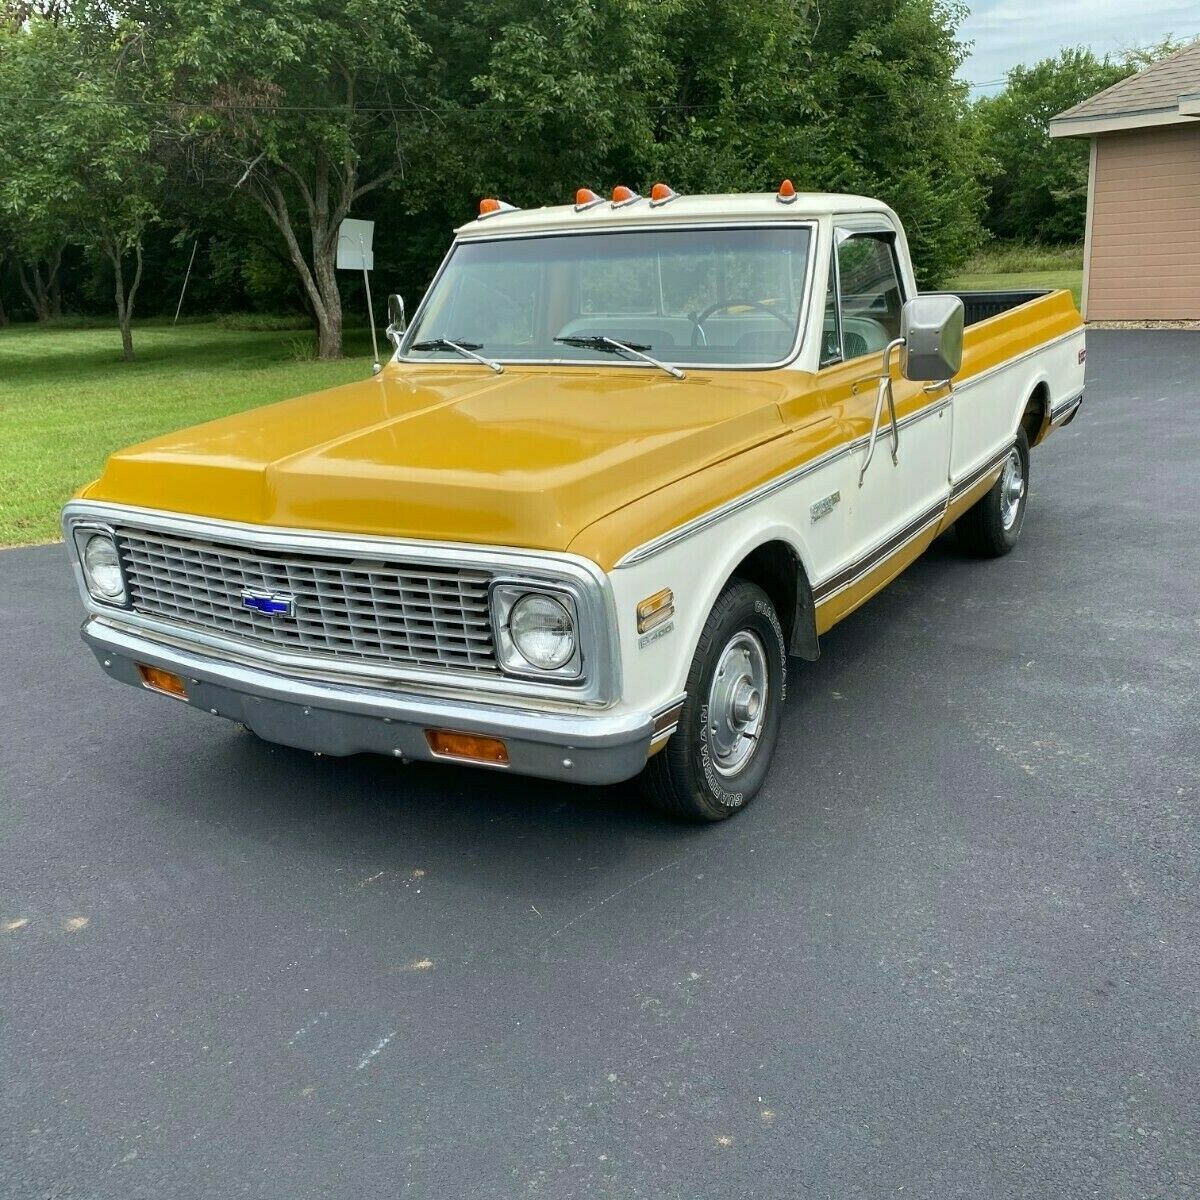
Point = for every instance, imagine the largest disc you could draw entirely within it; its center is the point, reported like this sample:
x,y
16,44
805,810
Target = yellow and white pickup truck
x,y
630,455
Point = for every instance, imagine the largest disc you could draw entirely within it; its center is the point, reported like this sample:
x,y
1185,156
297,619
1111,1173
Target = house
x,y
1142,246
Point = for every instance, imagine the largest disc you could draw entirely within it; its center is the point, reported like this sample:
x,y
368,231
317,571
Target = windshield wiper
x,y
611,345
466,349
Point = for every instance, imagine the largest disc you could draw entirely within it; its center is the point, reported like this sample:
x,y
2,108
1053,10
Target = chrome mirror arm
x,y
884,391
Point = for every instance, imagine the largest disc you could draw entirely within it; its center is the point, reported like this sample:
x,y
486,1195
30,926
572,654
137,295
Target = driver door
x,y
892,506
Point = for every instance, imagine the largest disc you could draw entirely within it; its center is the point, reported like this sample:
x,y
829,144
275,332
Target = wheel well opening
x,y
776,569
1036,418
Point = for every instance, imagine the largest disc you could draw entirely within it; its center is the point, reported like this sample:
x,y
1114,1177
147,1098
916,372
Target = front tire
x,y
718,758
992,526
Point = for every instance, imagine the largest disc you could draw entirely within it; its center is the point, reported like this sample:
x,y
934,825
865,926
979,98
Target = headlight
x,y
536,631
101,566
542,631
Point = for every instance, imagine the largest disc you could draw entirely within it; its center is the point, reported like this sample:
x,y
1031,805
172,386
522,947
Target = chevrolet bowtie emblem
x,y
271,604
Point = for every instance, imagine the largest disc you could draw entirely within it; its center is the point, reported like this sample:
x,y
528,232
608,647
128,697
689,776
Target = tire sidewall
x,y
750,609
1011,536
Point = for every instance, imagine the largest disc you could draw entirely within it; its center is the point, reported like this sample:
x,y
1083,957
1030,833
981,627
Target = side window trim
x,y
835,287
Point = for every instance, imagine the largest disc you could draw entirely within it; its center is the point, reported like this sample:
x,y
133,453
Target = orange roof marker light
x,y
660,193
622,196
585,198
489,206
787,192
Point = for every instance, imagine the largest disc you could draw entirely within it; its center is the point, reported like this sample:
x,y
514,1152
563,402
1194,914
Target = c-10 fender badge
x,y
824,507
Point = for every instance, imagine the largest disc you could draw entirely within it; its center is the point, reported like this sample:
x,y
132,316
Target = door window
x,y
870,295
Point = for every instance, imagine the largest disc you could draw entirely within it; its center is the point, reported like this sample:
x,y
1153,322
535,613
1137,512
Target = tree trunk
x,y
329,324
3,314
42,291
319,279
35,290
123,298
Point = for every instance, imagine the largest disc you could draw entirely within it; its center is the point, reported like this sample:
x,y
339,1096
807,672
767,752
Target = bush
x,y
1005,258
263,322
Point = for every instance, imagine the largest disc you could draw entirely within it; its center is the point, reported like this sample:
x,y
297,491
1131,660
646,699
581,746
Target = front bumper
x,y
329,718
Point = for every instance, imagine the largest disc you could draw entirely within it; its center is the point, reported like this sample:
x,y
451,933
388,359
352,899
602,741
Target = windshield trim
x,y
401,354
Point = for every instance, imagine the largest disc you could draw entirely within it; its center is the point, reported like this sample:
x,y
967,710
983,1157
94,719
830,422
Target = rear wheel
x,y
718,758
992,526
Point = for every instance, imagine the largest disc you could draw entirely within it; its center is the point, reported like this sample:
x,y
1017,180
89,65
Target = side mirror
x,y
397,322
932,329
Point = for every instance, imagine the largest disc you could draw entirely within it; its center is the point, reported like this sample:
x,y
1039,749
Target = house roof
x,y
1168,93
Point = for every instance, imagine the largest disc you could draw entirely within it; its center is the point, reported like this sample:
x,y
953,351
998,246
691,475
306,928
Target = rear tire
x,y
992,526
718,758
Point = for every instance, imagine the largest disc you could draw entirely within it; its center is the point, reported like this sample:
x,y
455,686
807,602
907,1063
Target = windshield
x,y
693,296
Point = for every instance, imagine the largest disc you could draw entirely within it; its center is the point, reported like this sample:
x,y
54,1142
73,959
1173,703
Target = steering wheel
x,y
698,335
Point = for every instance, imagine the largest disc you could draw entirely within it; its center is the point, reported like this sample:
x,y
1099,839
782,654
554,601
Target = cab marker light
x,y
787,192
654,610
661,194
622,196
489,206
585,198
473,747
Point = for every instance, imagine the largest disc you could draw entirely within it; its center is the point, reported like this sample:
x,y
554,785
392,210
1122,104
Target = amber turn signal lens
x,y
469,746
488,205
624,195
660,193
654,610
158,680
585,198
787,192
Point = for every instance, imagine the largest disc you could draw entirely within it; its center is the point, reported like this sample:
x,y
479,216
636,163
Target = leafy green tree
x,y
1038,184
34,235
302,106
892,122
81,163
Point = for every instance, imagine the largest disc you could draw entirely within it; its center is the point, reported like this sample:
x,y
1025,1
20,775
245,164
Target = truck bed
x,y
982,305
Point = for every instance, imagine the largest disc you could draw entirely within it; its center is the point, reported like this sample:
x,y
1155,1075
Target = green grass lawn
x,y
1018,280
1015,266
67,401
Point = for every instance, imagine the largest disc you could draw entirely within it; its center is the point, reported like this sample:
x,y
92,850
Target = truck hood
x,y
453,453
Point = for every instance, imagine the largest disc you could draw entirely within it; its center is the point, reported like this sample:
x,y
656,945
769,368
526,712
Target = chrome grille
x,y
365,609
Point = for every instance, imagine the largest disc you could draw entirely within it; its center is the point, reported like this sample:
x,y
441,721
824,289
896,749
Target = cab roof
x,y
757,206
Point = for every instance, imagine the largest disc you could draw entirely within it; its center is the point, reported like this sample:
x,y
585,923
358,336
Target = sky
x,y
1010,32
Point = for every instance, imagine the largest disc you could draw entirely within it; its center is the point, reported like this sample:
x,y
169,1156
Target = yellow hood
x,y
454,453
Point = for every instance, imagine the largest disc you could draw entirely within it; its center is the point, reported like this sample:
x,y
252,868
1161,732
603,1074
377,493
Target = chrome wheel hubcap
x,y
1012,490
737,702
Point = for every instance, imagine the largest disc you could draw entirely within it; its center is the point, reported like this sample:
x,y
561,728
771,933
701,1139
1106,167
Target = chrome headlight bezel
x,y
504,595
82,536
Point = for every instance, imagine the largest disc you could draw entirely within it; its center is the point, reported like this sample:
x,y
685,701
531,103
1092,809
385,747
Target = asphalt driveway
x,y
951,951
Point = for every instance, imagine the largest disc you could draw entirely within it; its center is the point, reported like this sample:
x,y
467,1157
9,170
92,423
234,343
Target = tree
x,y
302,106
892,122
36,241
718,97
81,161
1038,184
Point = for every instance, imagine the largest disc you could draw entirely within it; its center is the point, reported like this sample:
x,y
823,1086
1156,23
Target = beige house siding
x,y
1144,234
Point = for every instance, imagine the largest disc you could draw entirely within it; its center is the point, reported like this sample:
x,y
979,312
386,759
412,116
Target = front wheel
x,y
992,526
718,758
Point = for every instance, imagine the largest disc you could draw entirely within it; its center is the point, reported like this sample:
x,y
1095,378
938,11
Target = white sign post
x,y
354,253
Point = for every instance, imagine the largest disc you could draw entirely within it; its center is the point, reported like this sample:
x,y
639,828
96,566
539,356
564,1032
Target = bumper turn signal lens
x,y
158,680
468,746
